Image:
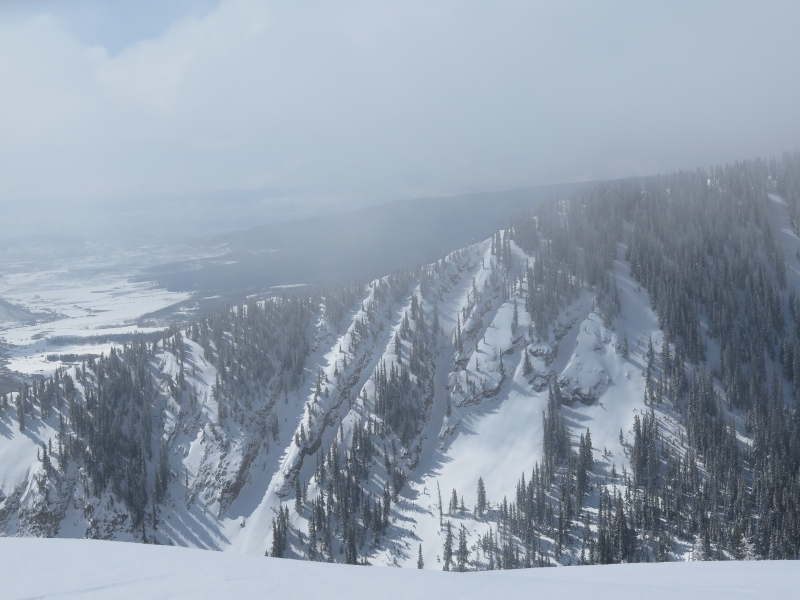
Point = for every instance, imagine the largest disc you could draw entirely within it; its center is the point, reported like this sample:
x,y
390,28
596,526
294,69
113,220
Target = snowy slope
x,y
92,569
501,438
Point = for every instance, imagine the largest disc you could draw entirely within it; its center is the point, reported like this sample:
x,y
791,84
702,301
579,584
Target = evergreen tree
x,y
462,556
515,318
481,506
448,547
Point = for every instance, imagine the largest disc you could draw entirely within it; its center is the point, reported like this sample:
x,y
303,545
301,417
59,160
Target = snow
x,y
87,569
500,438
75,297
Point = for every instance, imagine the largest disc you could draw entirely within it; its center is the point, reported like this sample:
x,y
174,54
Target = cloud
x,y
360,101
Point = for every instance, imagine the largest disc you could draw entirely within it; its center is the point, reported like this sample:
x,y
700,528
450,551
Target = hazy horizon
x,y
268,111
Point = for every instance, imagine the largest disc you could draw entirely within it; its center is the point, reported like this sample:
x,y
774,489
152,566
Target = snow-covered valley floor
x,y
49,303
55,568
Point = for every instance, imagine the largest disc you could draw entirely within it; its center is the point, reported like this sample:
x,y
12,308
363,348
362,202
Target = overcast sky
x,y
303,106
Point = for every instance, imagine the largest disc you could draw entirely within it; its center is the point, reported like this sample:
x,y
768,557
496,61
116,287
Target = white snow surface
x,y
88,569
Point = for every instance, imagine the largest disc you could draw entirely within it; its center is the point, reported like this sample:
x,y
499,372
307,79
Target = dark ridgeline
x,y
700,243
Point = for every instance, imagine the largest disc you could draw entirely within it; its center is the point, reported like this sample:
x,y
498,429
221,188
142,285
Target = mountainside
x,y
612,378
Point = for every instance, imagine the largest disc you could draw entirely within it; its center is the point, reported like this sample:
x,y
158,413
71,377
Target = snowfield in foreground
x,y
56,568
